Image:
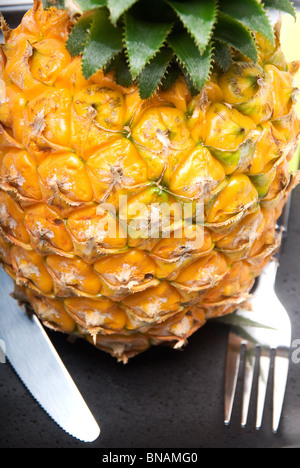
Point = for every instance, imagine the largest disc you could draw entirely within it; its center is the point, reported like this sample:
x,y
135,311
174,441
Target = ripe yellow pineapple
x,y
107,138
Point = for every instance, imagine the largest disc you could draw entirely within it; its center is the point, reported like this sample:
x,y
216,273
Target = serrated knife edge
x,y
38,365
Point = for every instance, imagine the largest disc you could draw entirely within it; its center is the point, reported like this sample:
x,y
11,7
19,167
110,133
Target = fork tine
x,y
263,375
281,367
231,372
249,365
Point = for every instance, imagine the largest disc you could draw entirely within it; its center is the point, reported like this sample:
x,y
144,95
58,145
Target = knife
x,y
35,360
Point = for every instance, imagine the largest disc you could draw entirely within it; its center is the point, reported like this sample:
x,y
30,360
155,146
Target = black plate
x,y
162,398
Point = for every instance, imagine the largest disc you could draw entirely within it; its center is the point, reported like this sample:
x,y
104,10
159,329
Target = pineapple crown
x,y
152,41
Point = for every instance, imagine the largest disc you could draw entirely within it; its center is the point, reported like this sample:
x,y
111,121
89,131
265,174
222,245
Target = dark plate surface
x,y
162,398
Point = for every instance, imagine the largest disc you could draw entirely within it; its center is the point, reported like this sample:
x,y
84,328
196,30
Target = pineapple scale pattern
x,y
71,149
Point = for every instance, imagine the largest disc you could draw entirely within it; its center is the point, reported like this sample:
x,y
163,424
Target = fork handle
x,y
267,277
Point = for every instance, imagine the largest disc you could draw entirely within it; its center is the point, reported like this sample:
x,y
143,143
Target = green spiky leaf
x,y
155,10
232,32
122,72
118,7
86,5
103,43
196,64
222,55
78,35
130,37
153,73
282,5
171,75
198,18
238,320
251,14
143,41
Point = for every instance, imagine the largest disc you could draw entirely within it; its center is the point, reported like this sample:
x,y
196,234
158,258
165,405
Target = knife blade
x,y
35,360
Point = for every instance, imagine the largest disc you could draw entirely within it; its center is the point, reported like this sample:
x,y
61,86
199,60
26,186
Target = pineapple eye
x,y
30,270
65,176
103,106
114,167
162,138
49,58
198,175
73,275
240,82
47,231
95,315
238,196
18,170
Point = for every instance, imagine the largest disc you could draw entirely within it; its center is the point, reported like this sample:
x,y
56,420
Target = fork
x,y
266,338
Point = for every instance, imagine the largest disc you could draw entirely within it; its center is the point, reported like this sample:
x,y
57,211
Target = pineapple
x,y
164,106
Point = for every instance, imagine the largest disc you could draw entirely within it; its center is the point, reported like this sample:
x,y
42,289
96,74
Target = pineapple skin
x,y
68,145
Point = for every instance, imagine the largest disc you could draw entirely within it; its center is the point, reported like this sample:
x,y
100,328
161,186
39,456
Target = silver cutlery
x,y
37,363
265,339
